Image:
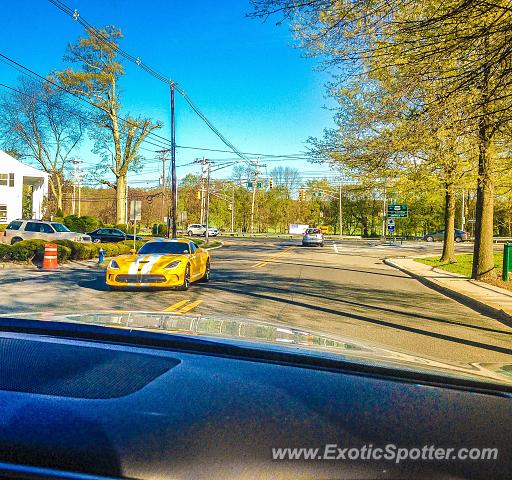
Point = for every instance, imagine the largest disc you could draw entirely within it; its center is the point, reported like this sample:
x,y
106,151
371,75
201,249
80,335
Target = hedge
x,y
29,250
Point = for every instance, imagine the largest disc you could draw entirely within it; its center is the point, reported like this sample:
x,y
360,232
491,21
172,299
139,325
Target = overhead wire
x,y
148,69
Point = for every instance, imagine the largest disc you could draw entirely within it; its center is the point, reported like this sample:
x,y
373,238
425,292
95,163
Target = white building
x,y
13,176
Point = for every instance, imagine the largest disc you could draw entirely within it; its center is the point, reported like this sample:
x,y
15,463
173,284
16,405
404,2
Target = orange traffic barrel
x,y
50,256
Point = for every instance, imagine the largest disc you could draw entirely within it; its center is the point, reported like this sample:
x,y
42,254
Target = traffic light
x,y
270,183
199,194
302,194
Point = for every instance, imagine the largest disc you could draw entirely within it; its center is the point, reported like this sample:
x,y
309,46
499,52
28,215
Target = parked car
x,y
313,236
28,229
110,235
459,236
200,229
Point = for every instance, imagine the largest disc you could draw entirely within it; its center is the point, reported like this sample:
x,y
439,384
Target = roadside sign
x,y
135,210
391,222
398,211
391,228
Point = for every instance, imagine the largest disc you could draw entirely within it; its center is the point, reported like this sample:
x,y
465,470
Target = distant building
x,y
14,175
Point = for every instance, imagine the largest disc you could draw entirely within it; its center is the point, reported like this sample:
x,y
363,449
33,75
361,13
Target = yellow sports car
x,y
160,263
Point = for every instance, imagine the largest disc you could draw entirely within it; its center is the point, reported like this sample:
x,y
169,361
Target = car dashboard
x,y
93,402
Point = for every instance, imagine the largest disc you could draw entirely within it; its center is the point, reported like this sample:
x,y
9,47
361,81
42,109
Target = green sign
x,y
398,211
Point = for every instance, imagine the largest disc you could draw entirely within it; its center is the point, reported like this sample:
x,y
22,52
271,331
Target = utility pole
x,y
384,215
79,188
126,202
232,208
255,179
462,213
341,214
74,189
162,210
174,191
207,201
203,200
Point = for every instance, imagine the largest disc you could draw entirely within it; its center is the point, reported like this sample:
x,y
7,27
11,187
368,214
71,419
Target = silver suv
x,y
198,229
28,229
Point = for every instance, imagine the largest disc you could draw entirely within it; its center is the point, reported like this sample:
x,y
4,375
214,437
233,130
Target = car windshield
x,y
60,228
164,248
352,160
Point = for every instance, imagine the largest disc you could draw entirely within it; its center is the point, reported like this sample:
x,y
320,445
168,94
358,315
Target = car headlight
x,y
172,265
113,265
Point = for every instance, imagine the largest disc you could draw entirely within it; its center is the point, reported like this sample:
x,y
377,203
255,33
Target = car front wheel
x,y
186,279
16,240
189,233
96,240
458,239
429,239
207,272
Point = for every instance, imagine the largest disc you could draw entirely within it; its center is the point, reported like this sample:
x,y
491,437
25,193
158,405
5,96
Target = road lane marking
x,y
335,247
190,306
176,306
271,258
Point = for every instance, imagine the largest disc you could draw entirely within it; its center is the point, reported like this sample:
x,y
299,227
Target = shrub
x,y
79,250
159,230
27,250
63,253
82,224
129,244
3,227
4,251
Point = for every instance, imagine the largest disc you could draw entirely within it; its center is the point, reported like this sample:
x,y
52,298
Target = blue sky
x,y
245,75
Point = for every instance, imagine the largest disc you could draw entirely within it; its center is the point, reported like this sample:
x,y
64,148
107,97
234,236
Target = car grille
x,y
140,278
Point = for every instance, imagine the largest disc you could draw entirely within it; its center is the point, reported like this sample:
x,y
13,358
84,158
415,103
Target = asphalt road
x,y
343,289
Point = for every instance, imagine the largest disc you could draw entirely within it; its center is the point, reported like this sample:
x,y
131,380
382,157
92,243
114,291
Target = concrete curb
x,y
215,248
478,305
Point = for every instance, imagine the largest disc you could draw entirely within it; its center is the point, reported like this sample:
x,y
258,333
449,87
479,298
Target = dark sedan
x,y
110,235
459,236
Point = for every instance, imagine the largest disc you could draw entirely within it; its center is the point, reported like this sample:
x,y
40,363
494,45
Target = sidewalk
x,y
487,299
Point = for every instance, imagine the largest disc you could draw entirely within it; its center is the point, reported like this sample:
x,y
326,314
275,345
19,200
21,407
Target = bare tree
x,y
118,139
42,125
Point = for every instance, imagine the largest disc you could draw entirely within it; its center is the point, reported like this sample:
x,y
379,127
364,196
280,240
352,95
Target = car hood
x,y
282,338
148,261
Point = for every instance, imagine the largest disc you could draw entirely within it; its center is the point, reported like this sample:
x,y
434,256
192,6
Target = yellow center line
x,y
176,306
272,258
190,306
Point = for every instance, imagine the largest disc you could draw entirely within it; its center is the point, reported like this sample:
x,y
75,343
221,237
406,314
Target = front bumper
x,y
115,278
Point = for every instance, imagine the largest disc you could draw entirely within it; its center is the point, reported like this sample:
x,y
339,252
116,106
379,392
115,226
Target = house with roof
x,y
14,176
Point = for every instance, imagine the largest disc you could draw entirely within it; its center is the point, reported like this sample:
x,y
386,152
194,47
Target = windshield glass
x,y
164,248
364,191
60,228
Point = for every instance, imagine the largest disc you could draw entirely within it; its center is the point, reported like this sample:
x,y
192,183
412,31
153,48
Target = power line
x,y
148,69
36,76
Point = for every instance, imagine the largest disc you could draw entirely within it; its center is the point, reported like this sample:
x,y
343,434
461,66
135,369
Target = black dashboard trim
x,y
190,344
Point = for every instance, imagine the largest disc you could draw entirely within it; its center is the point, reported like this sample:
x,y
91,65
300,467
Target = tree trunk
x,y
121,199
483,256
58,192
448,255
